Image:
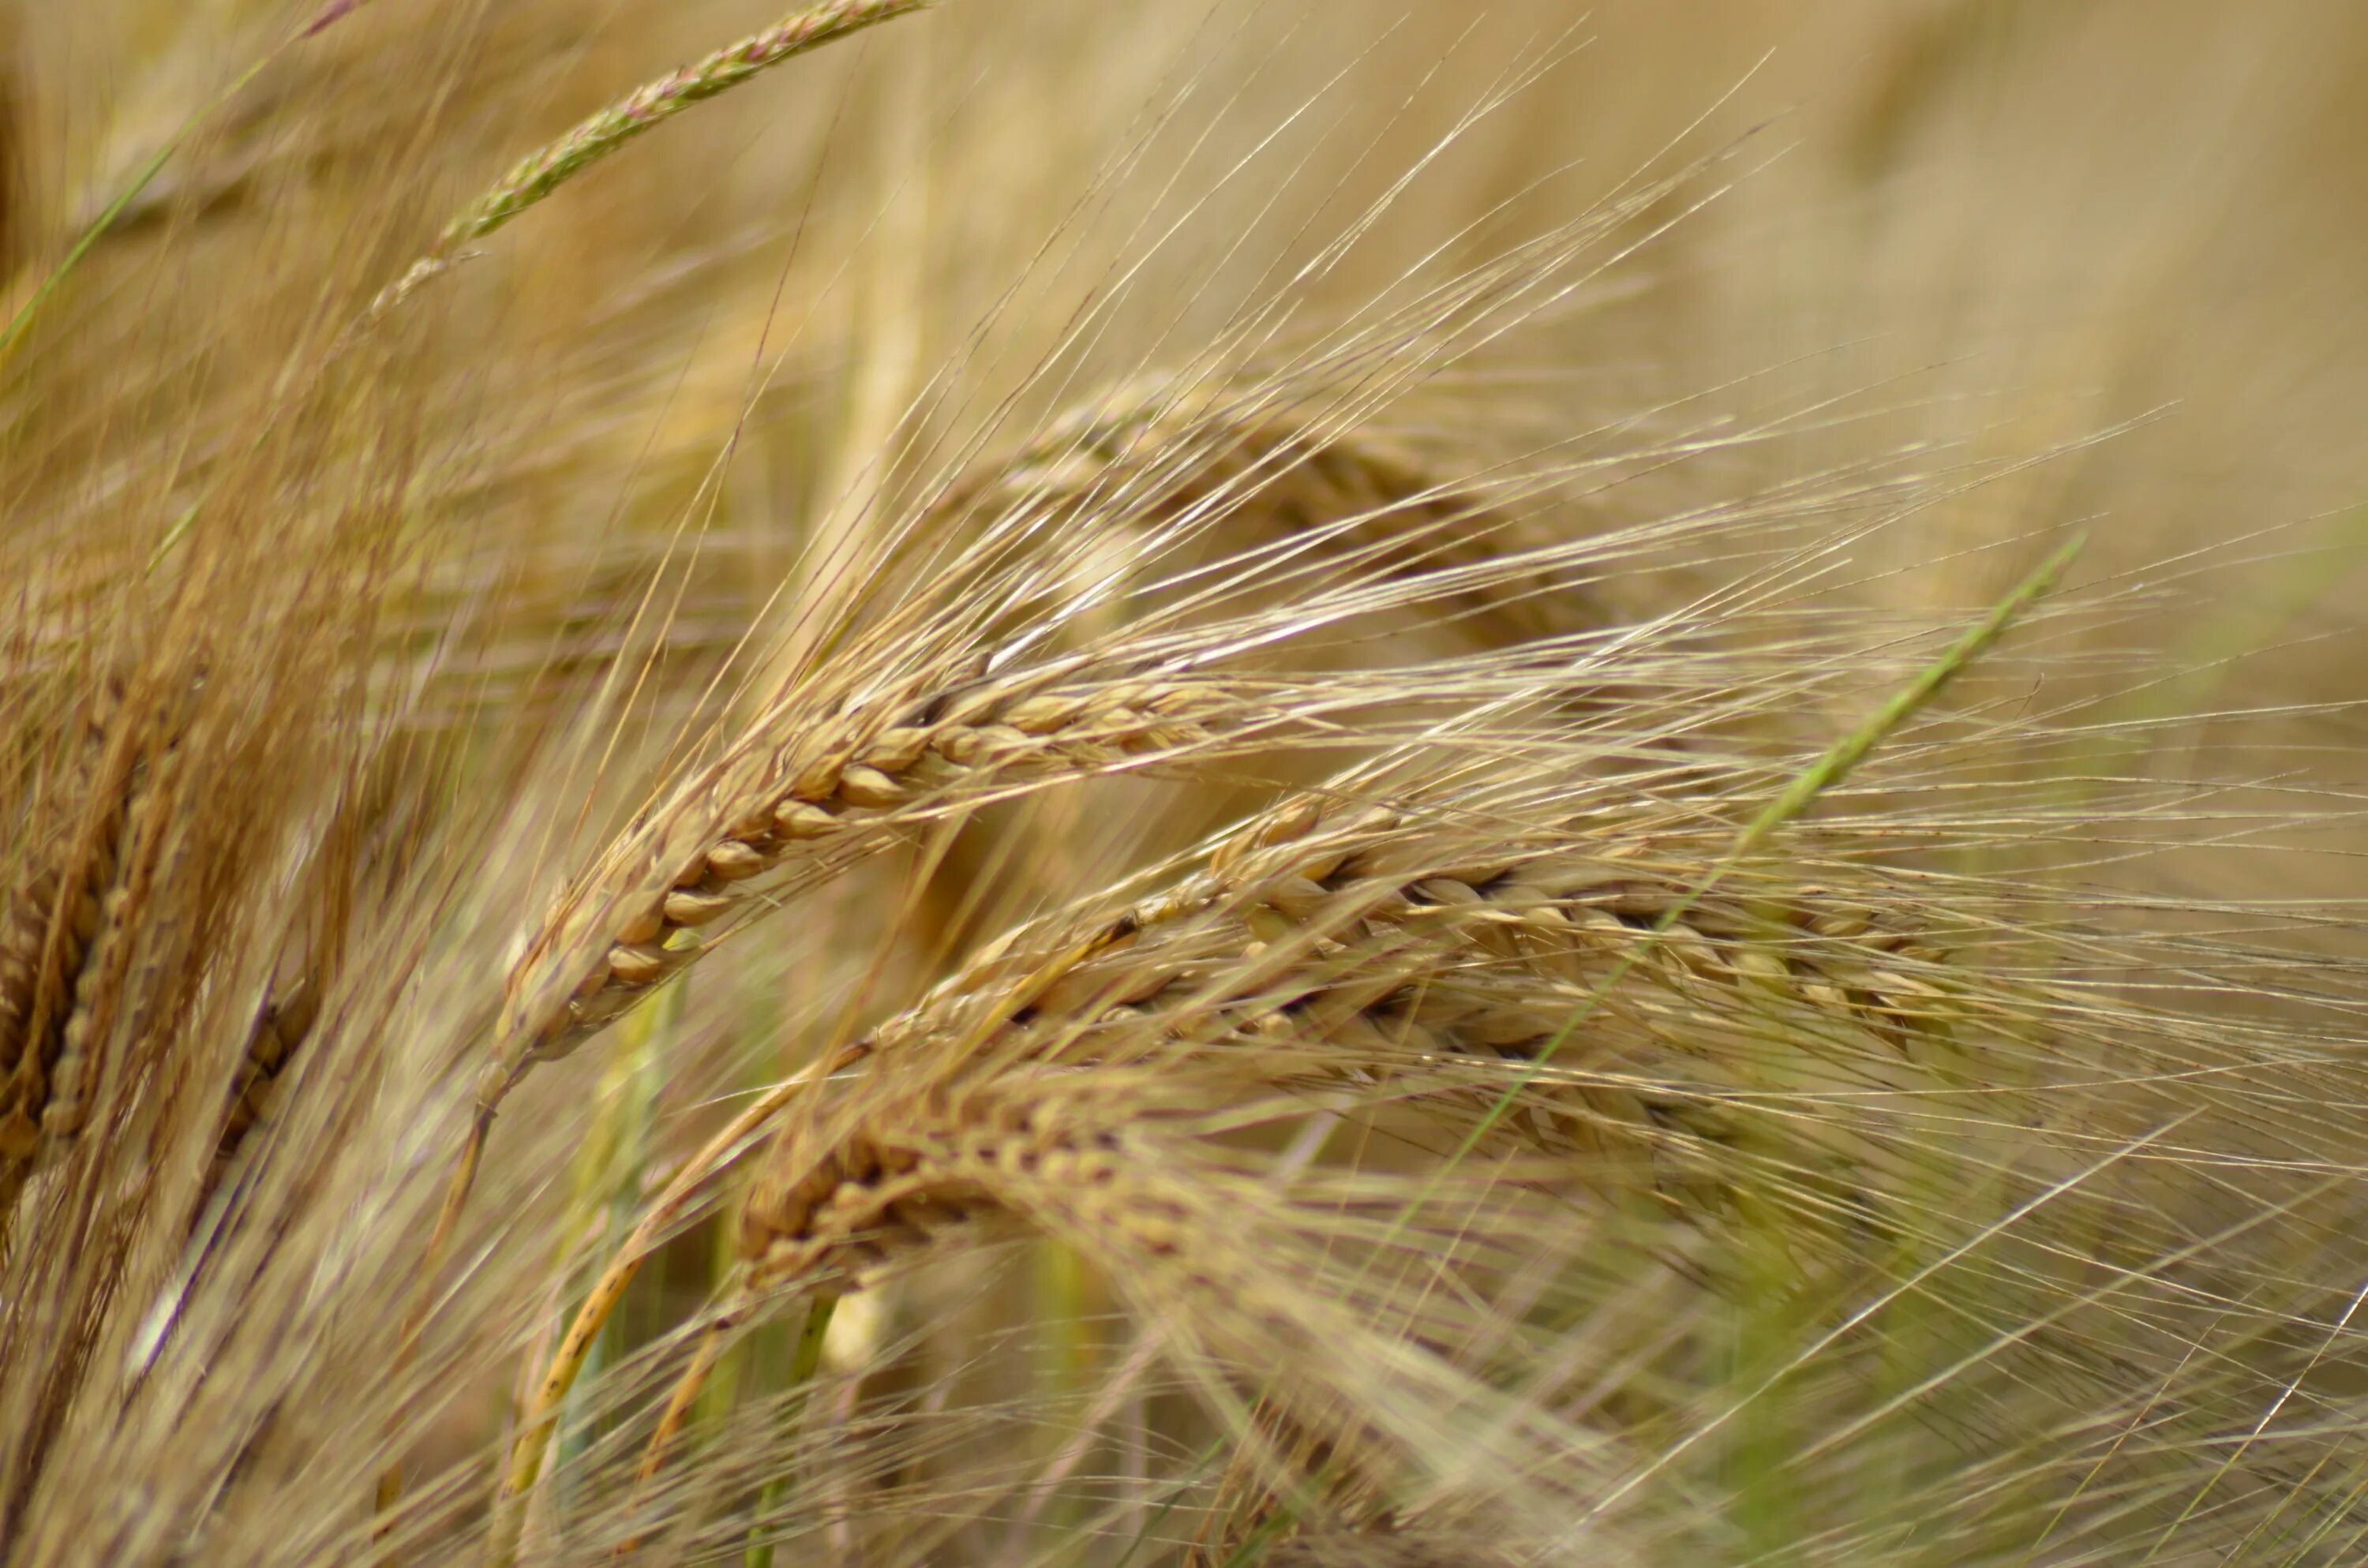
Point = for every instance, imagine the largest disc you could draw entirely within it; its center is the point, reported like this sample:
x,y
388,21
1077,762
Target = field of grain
x,y
1308,783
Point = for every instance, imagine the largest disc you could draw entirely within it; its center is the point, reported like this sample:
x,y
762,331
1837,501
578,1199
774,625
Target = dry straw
x,y
279,1032
1122,1165
1270,469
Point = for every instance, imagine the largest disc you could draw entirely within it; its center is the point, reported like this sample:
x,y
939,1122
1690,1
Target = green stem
x,y
329,14
803,1363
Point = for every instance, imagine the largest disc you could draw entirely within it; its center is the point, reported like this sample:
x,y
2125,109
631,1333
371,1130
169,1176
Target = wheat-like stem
x,y
535,177
1111,1161
1361,940
1375,944
1290,474
280,1028
849,782
1322,944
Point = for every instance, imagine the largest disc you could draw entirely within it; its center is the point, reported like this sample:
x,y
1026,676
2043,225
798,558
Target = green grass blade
x,y
329,16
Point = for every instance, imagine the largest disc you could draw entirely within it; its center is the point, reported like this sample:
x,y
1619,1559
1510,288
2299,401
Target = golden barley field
x,y
1309,783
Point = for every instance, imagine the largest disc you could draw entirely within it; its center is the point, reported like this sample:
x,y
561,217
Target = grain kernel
x,y
864,786
685,907
638,964
732,861
798,819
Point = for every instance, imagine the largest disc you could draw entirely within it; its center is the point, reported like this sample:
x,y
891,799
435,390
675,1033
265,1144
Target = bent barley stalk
x,y
1405,940
833,786
1123,1165
1250,462
1105,1162
850,784
541,1411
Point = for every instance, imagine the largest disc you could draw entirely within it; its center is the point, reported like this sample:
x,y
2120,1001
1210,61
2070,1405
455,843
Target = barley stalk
x,y
1371,939
1107,1162
1249,462
846,782
280,1028
1342,939
1375,942
828,776
535,177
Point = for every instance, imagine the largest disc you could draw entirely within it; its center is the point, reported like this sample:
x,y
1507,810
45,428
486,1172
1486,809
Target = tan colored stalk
x,y
1116,1163
535,177
1278,487
1370,945
824,778
1387,941
844,782
280,1030
1365,941
1249,464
